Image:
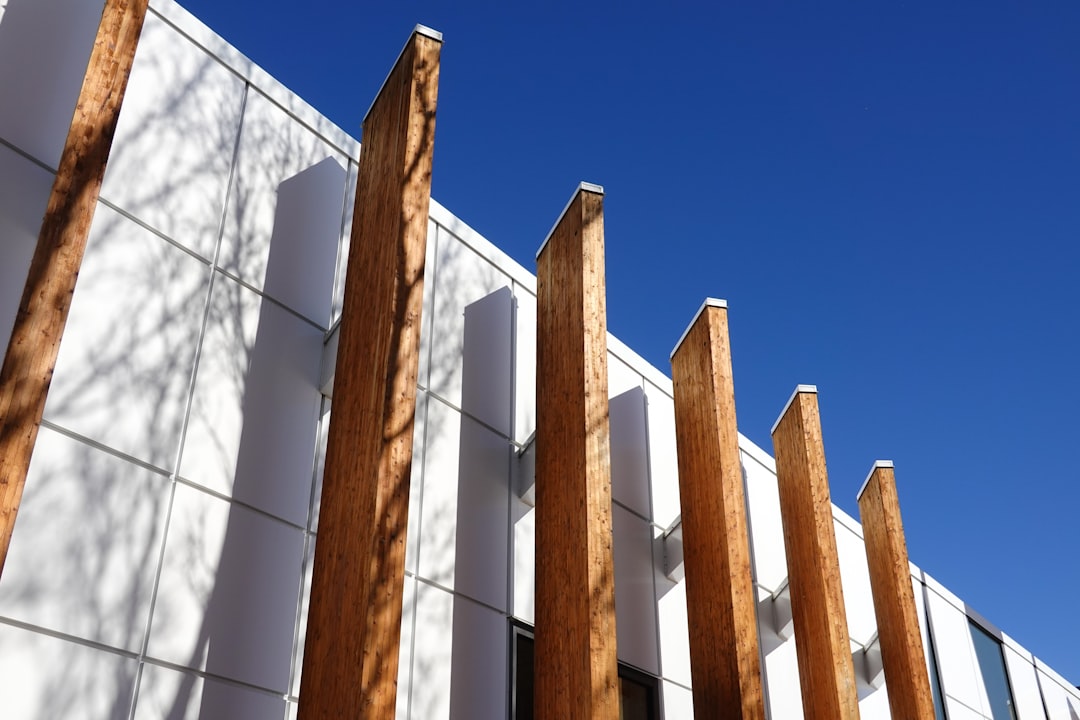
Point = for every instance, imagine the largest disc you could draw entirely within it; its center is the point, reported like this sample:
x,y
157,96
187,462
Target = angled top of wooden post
x,y
582,187
900,636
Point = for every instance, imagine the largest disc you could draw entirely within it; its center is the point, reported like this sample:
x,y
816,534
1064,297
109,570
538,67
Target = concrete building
x,y
161,565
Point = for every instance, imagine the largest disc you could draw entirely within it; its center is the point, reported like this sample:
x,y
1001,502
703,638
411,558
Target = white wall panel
x,y
432,654
228,592
524,364
275,151
175,139
24,192
663,455
635,607
43,677
621,377
1057,698
961,681
90,578
523,518
855,577
166,694
254,412
438,511
673,628
678,702
464,524
348,206
782,679
630,451
461,277
44,48
766,525
125,365
1027,700
479,670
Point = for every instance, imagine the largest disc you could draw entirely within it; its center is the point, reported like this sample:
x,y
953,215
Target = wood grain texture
x,y
823,648
902,654
721,607
351,652
31,353
576,668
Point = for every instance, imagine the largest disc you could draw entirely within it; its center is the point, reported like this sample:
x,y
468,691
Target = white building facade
x,y
161,562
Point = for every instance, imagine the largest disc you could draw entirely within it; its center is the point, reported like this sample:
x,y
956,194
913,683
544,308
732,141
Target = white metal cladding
x,y
164,546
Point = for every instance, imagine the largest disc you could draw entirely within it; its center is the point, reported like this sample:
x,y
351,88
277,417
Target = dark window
x,y
638,690
995,677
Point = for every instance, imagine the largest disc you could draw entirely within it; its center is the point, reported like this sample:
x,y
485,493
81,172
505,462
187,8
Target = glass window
x,y
995,677
639,692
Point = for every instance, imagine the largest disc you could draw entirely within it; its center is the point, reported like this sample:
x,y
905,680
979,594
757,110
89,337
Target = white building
x,y
161,563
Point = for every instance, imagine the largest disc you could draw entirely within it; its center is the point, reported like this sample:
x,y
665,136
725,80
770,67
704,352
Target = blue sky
x,y
888,195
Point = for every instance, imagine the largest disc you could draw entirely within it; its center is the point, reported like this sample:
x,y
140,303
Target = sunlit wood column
x,y
576,666
721,608
354,625
31,354
894,599
822,641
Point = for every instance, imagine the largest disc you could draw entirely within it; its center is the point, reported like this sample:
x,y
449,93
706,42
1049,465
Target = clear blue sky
x,y
887,194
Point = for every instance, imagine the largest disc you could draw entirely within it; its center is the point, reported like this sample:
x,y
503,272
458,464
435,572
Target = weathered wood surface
x,y
354,626
576,669
31,353
822,641
902,654
721,607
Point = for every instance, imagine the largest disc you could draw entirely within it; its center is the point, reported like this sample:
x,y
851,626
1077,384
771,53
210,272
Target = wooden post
x,y
822,642
576,666
31,354
894,599
721,608
354,625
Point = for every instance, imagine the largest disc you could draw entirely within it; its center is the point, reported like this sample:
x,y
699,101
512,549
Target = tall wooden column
x,y
822,642
576,666
894,599
39,325
354,625
724,662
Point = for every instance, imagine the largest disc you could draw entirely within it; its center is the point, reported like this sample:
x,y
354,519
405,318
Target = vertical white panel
x,y
678,701
766,525
228,593
635,607
673,629
629,451
254,414
487,360
44,48
461,277
479,684
405,648
125,364
781,669
90,578
304,240
274,148
43,677
481,526
175,140
24,192
432,654
166,694
524,585
438,512
463,525
855,578
302,617
1055,696
1027,700
961,681
663,456
524,364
